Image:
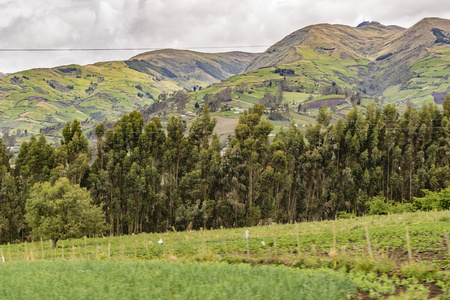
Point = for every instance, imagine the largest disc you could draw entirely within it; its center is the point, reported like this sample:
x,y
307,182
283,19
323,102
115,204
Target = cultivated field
x,y
403,255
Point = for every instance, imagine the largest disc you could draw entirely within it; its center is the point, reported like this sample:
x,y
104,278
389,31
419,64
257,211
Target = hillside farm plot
x,y
163,280
389,266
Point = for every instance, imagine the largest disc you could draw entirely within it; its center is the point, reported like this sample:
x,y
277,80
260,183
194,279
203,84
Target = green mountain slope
x,y
380,61
334,64
37,98
341,65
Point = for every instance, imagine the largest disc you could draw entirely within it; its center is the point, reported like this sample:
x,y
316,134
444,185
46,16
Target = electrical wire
x,y
121,49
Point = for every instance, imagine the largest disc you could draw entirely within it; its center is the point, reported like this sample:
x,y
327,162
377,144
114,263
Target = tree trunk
x,y
54,242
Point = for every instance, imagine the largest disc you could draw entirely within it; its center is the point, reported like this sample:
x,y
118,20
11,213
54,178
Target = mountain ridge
x,y
43,97
368,62
382,47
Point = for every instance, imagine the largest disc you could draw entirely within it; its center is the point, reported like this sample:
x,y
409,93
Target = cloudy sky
x,y
201,25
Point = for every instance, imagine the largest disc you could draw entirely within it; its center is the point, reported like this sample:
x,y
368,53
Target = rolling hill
x,y
380,61
342,65
334,64
37,98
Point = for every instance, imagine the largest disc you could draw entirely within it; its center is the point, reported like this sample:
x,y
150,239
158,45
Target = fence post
x,y
224,242
146,247
447,240
202,233
334,237
298,240
248,248
134,244
369,247
85,248
275,241
42,249
109,250
408,245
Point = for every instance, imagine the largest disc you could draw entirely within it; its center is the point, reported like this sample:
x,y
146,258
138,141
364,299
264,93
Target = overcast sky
x,y
201,25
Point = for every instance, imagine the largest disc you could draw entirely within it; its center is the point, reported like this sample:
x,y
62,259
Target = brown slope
x,y
405,49
390,50
182,66
363,41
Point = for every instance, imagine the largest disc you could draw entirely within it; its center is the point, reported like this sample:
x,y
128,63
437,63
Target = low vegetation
x,y
159,280
370,252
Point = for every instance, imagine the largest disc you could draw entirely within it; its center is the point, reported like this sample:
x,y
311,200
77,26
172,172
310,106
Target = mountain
x,y
381,61
2,75
334,64
39,98
188,68
341,41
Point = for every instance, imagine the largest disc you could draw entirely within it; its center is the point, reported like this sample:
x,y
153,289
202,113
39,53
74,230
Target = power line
x,y
120,49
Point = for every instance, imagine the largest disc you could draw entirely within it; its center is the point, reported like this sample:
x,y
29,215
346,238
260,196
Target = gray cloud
x,y
177,24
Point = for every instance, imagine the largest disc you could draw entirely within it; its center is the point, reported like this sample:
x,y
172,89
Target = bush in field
x,y
378,206
62,211
433,200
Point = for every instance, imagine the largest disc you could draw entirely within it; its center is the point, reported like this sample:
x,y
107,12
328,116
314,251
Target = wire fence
x,y
412,236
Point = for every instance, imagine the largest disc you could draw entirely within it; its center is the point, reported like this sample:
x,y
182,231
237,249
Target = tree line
x,y
146,178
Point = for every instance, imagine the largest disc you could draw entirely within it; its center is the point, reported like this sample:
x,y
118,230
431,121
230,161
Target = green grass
x,y
387,234
163,280
339,246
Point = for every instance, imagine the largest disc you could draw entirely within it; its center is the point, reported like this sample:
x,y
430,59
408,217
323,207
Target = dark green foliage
x,y
440,35
146,67
433,200
151,178
210,69
446,106
62,211
384,56
67,70
284,72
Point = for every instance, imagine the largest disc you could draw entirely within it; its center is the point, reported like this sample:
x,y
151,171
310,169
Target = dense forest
x,y
146,179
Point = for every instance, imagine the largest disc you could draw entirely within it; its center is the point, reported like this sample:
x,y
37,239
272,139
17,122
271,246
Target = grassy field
x,y
164,280
386,267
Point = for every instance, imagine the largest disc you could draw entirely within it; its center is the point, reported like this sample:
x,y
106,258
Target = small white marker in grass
x,y
262,242
160,241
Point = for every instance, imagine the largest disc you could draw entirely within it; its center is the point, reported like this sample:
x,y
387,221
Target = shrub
x,y
346,215
377,206
433,200
420,271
